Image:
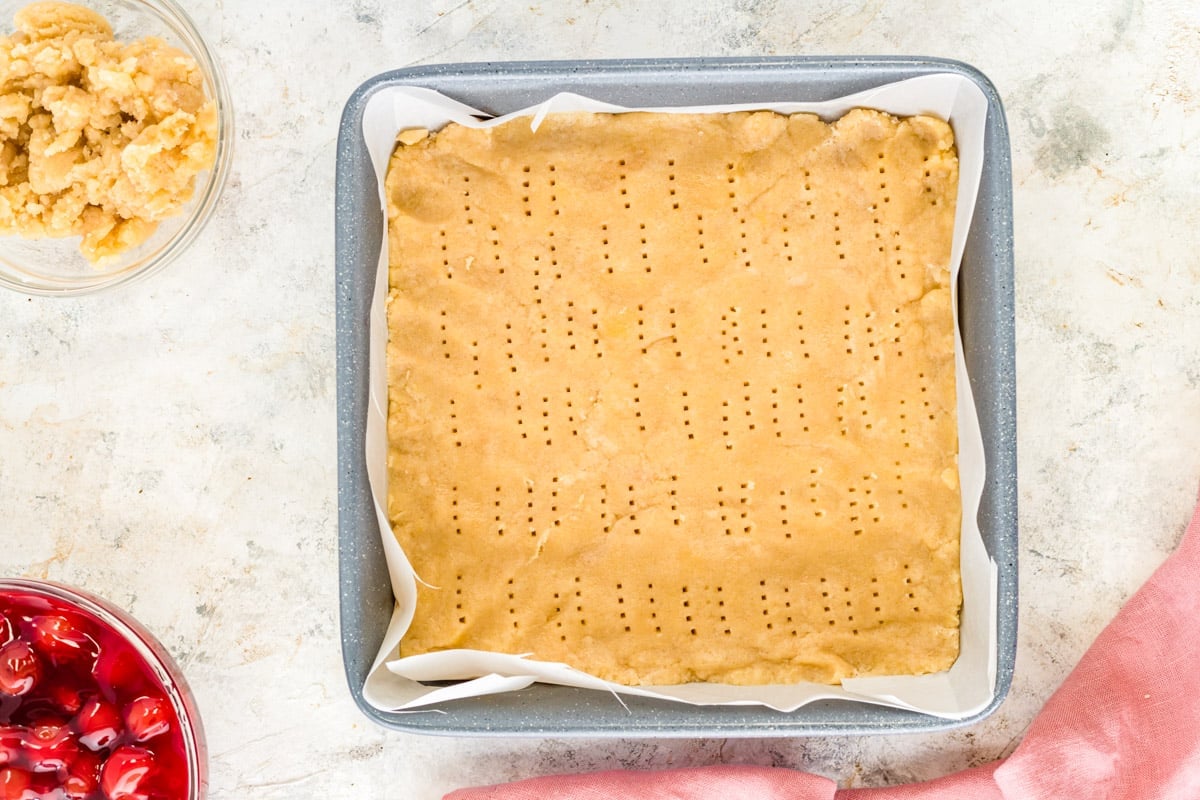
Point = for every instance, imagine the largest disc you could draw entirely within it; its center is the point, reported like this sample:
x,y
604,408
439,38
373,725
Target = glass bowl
x,y
54,266
89,696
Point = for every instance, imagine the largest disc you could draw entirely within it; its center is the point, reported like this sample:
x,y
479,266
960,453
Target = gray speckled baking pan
x,y
986,317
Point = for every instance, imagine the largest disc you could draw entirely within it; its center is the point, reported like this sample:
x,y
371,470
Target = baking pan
x,y
986,322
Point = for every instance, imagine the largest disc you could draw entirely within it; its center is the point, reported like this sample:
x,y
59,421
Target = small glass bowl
x,y
155,665
54,266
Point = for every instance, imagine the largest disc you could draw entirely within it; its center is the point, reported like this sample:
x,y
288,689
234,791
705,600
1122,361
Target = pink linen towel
x,y
1125,725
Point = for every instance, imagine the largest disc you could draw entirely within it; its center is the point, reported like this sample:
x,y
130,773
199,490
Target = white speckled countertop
x,y
171,445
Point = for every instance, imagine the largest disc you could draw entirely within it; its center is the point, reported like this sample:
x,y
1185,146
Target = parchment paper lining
x,y
395,684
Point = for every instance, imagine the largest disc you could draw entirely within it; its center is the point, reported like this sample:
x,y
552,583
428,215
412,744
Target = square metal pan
x,y
986,319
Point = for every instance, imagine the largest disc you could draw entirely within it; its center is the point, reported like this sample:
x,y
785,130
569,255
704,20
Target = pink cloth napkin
x,y
1125,725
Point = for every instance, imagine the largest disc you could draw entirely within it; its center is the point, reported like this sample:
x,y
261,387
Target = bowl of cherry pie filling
x,y
92,707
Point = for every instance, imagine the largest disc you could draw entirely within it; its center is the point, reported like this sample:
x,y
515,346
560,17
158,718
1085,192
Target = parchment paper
x,y
395,683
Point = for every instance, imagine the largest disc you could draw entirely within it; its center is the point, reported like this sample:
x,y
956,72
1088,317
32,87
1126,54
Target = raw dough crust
x,y
671,397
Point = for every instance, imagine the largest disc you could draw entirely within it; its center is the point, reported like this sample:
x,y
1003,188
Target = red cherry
x,y
98,724
12,744
66,698
50,746
120,669
20,668
83,776
7,633
13,783
147,717
61,638
126,772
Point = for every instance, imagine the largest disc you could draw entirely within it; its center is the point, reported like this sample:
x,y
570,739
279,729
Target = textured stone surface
x,y
171,445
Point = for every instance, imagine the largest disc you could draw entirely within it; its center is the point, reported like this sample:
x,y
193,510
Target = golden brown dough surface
x,y
671,397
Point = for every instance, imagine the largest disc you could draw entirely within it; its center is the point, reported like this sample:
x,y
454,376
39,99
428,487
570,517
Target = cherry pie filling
x,y
83,716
